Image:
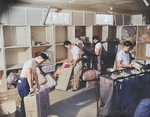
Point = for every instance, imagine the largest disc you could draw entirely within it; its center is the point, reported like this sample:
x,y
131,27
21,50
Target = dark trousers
x,y
143,109
23,89
97,62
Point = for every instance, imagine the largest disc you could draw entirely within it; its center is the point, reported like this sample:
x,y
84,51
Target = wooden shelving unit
x,y
16,36
16,57
143,51
143,46
40,33
17,42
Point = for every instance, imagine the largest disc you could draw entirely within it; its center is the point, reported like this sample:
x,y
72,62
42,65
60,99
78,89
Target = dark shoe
x,y
74,90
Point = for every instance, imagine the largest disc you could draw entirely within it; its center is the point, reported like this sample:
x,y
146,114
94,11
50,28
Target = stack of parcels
x,y
38,104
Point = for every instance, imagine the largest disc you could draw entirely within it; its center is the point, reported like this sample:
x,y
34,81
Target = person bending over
x,y
25,83
75,52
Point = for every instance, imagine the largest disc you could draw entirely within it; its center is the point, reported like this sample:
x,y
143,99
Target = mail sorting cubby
x,y
61,34
97,30
128,32
142,50
16,57
143,42
41,35
38,49
108,33
80,31
62,54
143,33
16,36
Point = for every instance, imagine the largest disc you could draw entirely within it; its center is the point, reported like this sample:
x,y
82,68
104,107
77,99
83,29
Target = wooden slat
x,y
141,31
64,78
141,49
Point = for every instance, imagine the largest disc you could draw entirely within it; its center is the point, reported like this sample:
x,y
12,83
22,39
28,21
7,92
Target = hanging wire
x,y
71,1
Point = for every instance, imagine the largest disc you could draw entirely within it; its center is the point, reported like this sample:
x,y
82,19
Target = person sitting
x,y
123,57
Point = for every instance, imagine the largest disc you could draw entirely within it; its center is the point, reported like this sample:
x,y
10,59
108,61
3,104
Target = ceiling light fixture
x,y
146,3
71,1
124,2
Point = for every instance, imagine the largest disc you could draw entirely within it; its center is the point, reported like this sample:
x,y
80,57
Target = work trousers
x,y
97,62
75,82
23,89
143,109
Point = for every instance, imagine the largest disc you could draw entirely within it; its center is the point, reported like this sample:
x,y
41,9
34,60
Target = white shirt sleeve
x,y
119,56
98,45
75,51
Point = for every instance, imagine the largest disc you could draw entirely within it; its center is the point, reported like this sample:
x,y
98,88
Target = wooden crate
x,y
143,50
16,36
16,57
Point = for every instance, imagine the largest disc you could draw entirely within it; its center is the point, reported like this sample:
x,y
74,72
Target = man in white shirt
x,y
75,51
123,57
97,52
25,83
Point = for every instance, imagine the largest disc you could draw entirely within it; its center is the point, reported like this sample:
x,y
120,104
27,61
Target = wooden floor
x,y
11,94
81,103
